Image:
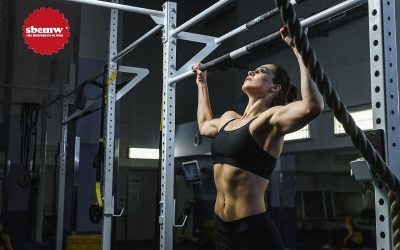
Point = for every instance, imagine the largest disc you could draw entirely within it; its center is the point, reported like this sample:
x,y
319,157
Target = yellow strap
x,y
112,77
98,194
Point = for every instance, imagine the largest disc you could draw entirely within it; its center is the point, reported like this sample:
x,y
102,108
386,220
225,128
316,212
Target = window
x,y
363,119
301,134
143,153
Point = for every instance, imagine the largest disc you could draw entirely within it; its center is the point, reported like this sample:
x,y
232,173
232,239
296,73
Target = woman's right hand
x,y
201,78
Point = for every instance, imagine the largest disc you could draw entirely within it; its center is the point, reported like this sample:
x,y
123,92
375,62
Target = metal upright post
x,y
167,213
107,189
61,174
42,177
384,98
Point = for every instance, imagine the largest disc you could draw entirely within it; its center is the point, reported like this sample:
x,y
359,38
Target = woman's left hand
x,y
289,40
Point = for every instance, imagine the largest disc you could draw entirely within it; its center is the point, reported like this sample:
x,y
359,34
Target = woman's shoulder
x,y
226,117
230,115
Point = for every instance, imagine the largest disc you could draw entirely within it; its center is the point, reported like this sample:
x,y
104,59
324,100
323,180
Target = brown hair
x,y
288,92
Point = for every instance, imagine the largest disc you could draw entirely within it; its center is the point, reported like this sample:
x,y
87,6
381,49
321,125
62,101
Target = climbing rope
x,y
332,98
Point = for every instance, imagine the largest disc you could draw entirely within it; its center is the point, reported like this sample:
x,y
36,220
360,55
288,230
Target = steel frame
x,y
61,174
385,101
384,91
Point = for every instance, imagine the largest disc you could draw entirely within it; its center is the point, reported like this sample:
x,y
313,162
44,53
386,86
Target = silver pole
x,y
113,5
200,16
231,34
310,21
42,177
250,24
109,129
167,215
61,175
331,12
136,43
385,104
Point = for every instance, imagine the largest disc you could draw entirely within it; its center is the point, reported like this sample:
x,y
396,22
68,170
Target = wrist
x,y
296,51
202,85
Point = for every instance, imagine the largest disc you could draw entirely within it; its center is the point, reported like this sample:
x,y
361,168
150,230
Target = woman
x,y
246,147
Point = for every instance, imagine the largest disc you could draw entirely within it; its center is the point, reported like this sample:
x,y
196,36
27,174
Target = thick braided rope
x,y
395,215
332,98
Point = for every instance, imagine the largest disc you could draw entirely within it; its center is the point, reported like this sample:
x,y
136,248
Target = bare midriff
x,y
240,193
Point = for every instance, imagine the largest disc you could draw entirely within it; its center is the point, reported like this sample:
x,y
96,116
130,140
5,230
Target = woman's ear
x,y
276,87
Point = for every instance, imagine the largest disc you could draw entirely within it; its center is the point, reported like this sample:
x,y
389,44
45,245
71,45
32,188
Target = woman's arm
x,y
296,115
207,125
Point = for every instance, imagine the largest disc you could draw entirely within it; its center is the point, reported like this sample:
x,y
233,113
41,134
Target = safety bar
x,y
200,16
136,43
264,17
308,22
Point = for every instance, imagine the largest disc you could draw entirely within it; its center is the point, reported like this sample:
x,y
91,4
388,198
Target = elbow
x,y
315,109
202,130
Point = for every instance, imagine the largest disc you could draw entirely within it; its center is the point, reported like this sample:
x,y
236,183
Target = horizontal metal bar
x,y
90,107
264,17
120,7
74,90
200,16
310,21
28,87
136,43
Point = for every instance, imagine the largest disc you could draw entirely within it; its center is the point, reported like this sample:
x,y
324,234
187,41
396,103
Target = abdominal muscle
x,y
240,193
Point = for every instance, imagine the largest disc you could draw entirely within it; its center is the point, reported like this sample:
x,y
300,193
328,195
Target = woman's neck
x,y
255,107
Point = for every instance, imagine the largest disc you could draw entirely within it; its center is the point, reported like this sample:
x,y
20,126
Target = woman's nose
x,y
250,73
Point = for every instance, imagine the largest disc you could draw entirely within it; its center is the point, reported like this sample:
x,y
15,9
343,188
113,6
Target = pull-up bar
x,y
264,17
120,7
310,21
200,16
136,43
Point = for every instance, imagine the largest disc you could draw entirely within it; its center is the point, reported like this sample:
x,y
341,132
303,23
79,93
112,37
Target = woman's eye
x,y
264,71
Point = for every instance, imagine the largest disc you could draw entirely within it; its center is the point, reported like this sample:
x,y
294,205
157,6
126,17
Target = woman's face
x,y
259,80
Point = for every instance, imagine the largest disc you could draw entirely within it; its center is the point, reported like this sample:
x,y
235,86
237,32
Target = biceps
x,y
209,128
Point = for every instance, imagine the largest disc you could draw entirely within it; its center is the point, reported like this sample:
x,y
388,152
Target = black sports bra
x,y
239,149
